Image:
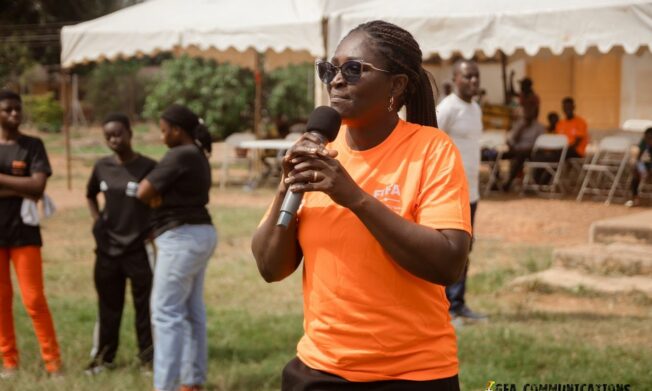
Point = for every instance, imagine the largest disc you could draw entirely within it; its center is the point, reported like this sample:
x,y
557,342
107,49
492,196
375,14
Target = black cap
x,y
326,121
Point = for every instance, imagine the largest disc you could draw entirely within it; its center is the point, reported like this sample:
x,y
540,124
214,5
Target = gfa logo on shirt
x,y
390,195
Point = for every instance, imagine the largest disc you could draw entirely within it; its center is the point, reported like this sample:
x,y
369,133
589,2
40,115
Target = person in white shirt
x,y
461,118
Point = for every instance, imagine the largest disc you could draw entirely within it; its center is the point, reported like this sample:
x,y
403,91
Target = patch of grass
x,y
494,264
512,351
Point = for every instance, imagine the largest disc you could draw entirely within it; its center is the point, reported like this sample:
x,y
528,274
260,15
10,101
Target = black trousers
x,y
456,291
297,376
111,274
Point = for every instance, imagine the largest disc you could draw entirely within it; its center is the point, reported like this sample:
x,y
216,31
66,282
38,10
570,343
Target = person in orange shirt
x,y
24,172
575,128
384,226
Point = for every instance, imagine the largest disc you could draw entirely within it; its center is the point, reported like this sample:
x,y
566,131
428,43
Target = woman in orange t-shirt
x,y
383,227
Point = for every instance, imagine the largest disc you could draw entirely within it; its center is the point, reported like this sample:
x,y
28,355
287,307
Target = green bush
x,y
222,94
44,112
290,92
116,87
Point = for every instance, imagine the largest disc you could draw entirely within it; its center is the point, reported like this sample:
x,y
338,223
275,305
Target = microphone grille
x,y
325,120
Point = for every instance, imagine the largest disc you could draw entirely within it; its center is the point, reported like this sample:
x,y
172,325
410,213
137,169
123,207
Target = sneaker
x,y
146,369
633,202
96,367
466,313
8,373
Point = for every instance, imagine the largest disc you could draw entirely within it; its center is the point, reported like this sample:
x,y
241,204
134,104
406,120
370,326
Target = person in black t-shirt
x,y
24,170
120,230
185,240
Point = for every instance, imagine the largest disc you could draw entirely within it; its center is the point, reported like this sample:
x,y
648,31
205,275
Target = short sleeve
x,y
93,185
39,161
167,171
443,199
444,113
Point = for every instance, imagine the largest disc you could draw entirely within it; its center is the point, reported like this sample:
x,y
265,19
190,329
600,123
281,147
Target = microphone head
x,y
326,121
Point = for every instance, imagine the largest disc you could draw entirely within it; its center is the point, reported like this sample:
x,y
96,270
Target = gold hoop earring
x,y
391,104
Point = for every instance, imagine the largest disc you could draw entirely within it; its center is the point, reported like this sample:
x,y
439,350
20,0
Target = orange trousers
x,y
28,266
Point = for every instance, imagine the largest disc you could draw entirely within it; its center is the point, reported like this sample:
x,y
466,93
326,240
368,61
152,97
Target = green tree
x,y
222,94
290,92
116,86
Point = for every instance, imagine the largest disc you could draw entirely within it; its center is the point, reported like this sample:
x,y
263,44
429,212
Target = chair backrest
x,y
637,125
551,141
493,139
236,138
615,144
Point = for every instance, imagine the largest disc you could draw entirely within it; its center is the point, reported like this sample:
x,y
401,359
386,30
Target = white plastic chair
x,y
549,142
606,169
637,125
497,141
230,156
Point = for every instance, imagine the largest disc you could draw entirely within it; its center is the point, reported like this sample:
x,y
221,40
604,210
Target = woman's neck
x,y
9,135
126,156
362,136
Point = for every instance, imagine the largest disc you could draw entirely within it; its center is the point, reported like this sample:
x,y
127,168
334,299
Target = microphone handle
x,y
289,208
292,200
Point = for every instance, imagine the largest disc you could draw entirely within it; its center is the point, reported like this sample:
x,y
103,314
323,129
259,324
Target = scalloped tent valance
x,y
233,30
465,27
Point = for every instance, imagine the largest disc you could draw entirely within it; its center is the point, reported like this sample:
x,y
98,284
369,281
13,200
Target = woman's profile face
x,y
168,134
369,96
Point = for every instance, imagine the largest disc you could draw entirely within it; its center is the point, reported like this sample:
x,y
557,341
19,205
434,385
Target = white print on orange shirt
x,y
390,195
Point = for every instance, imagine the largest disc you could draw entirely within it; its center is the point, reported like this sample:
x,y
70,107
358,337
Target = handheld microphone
x,y
323,122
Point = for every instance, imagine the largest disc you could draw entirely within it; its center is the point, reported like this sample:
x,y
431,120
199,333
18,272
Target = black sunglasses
x,y
351,70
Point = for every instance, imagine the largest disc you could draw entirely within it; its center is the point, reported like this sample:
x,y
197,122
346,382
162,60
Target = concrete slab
x,y
607,259
635,228
558,278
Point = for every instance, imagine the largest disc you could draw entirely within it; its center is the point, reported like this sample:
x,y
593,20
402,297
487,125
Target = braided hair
x,y
404,56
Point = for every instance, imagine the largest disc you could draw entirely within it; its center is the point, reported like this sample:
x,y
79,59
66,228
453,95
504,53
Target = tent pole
x,y
65,99
258,80
503,69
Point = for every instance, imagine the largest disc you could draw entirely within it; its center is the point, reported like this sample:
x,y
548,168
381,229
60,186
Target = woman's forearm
x,y
32,186
276,249
437,256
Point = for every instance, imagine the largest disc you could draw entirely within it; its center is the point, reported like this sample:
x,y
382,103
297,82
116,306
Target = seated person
x,y
282,130
553,119
643,167
521,140
574,128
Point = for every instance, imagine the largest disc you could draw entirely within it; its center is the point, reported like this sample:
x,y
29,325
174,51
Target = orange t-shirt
x,y
366,318
573,129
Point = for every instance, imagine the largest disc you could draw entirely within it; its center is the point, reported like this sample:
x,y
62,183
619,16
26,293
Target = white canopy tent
x,y
464,27
228,30
501,28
